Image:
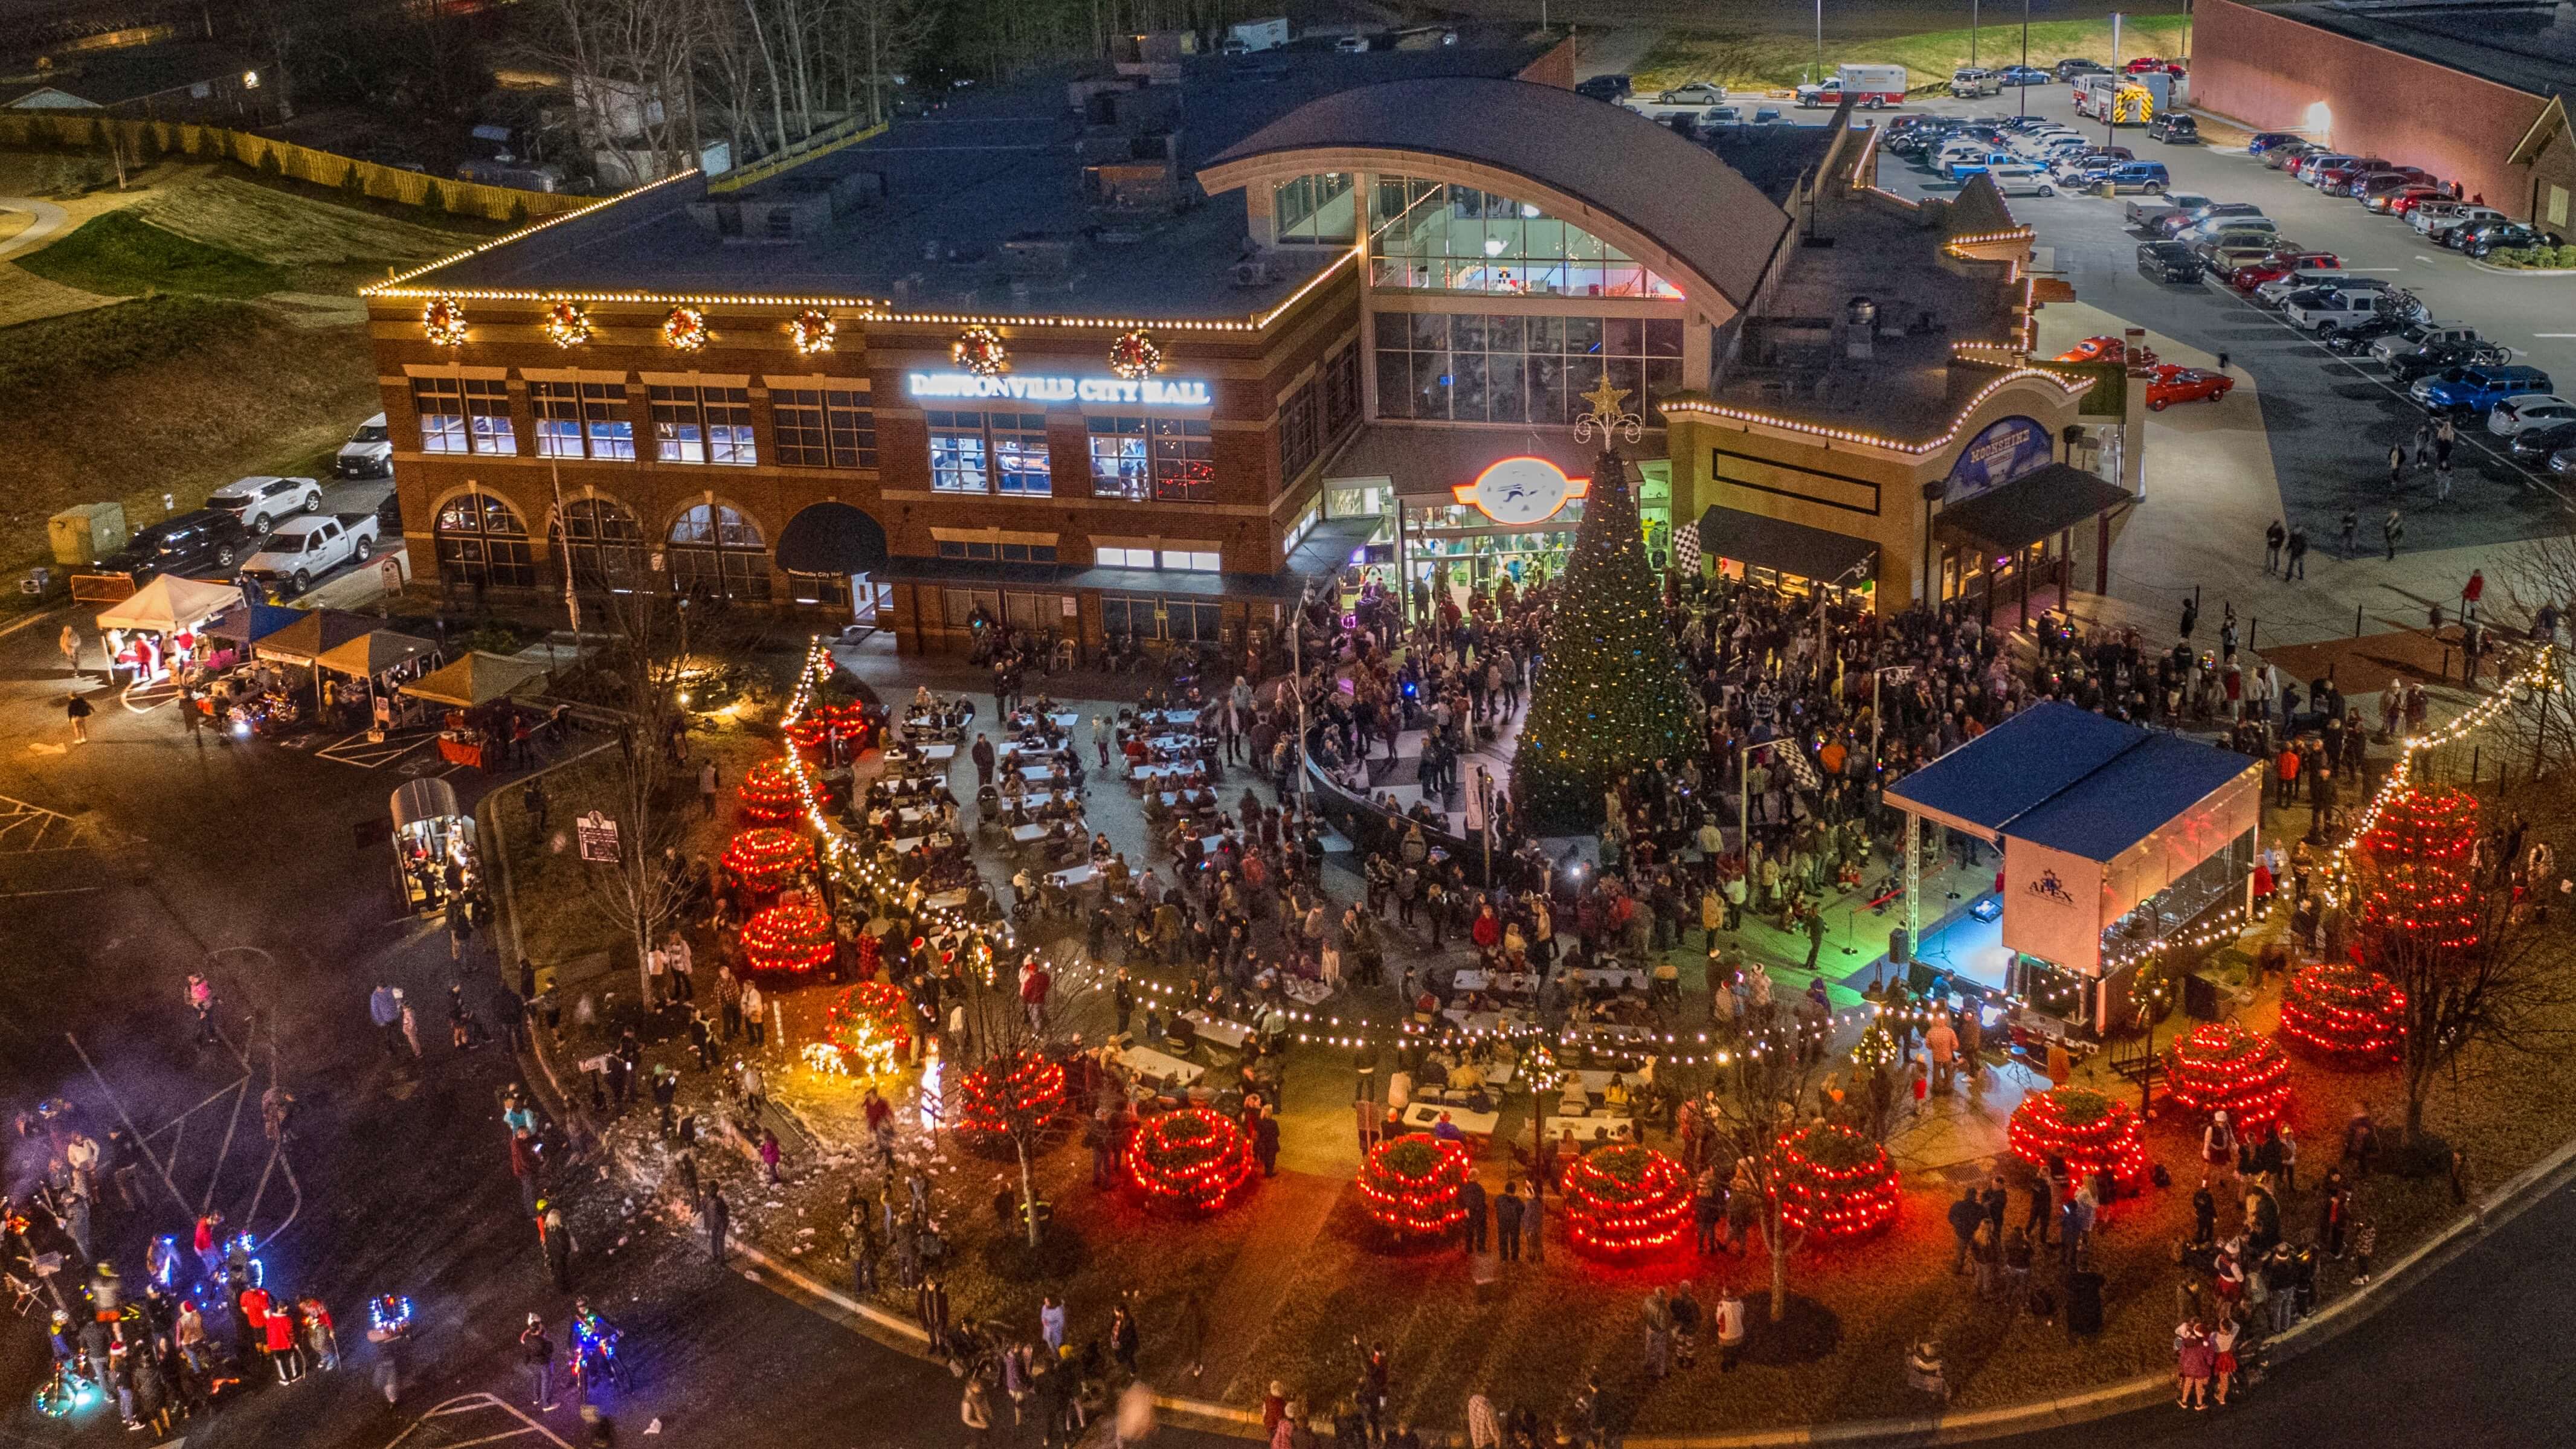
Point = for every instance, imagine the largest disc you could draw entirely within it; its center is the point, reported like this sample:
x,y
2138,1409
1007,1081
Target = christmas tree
x,y
2418,885
1611,693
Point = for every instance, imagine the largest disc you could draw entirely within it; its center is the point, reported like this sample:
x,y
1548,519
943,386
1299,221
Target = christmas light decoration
x,y
1135,354
790,938
769,793
1613,695
567,323
1876,1050
767,859
813,729
2091,1131
1833,1183
870,1025
824,1057
684,329
2346,1012
979,350
2222,1065
1413,1183
812,331
2418,880
442,321
1026,1086
1192,1160
1623,1199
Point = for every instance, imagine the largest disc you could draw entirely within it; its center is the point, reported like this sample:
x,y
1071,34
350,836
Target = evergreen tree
x,y
1611,693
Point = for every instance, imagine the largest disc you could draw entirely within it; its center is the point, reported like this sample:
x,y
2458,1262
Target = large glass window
x,y
1164,616
582,419
464,415
1316,209
440,401
1435,236
599,541
480,543
717,552
1168,460
825,427
984,452
1475,367
702,425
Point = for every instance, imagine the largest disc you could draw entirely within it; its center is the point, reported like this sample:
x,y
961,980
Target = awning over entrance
x,y
2031,507
1790,548
831,538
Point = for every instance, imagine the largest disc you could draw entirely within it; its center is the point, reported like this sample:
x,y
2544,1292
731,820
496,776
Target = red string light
x,y
768,793
767,858
789,938
2091,1131
1834,1183
2220,1065
813,729
1413,1183
2347,1012
1625,1199
1192,1160
870,1024
993,1099
2419,880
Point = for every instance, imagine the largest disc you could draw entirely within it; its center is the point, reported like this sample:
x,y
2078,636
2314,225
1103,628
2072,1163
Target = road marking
x,y
2373,269
2554,334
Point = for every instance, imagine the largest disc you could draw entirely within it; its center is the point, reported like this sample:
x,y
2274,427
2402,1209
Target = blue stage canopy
x,y
2069,779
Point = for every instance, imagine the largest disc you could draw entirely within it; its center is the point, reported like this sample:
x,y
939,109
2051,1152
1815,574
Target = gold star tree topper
x,y
1607,418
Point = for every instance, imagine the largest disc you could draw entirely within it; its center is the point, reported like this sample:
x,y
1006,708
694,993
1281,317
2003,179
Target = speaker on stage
x,y
1900,946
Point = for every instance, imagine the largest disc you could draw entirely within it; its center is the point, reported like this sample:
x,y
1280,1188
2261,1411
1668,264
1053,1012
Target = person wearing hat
x,y
537,1357
2218,1146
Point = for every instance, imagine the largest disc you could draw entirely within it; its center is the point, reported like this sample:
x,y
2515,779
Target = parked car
x,y
2287,154
2265,141
2150,177
2356,341
1352,44
2309,266
2175,128
203,540
2406,199
2020,180
2222,255
2487,236
2167,261
2441,221
1969,82
2335,178
2562,464
2304,166
2420,336
2143,212
263,499
307,548
2024,75
2173,384
2084,167
2336,277
2326,309
369,453
2477,389
2073,66
1960,165
2372,183
2211,228
2095,349
2140,65
2175,222
2529,410
2414,365
1611,88
1695,93
2535,445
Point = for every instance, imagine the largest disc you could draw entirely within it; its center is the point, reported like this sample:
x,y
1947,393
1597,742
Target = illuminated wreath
x,y
1021,1089
1833,1182
790,938
812,331
768,793
1413,1183
442,321
567,324
2349,1013
1135,354
979,350
767,858
1192,1160
870,1025
1624,1199
2091,1131
685,329
2222,1066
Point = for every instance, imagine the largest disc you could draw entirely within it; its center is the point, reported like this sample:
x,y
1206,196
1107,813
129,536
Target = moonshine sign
x,y
1521,490
1151,392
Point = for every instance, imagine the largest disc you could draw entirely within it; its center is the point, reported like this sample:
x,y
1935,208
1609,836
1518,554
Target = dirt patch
x,y
26,297
288,231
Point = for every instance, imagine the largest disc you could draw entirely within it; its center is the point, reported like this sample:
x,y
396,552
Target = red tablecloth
x,y
460,752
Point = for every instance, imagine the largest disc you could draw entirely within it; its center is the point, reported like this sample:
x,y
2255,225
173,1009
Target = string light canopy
x,y
1625,1200
567,323
1413,1184
2346,1013
2220,1065
1190,1161
812,331
769,793
2092,1131
767,858
442,321
1833,1183
684,329
1135,354
870,1025
993,1100
980,350
788,939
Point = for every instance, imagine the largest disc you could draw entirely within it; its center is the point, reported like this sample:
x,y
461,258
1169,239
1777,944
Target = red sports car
x,y
2186,384
2276,266
2140,65
2094,349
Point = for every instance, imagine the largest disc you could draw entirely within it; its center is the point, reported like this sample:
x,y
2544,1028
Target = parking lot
x,y
2326,422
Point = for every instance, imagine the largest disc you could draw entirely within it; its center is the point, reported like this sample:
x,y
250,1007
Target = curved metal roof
x,y
1672,196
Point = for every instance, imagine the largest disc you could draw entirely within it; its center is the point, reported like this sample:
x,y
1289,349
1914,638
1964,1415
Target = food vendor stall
x,y
156,626
377,663
310,637
476,690
434,854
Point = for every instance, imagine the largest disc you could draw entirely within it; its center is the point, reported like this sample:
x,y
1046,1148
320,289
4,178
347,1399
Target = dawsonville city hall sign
x,y
1152,392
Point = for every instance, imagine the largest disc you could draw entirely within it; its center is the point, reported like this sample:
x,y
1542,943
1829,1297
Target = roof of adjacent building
x,y
2524,44
992,167
111,77
1607,156
2071,780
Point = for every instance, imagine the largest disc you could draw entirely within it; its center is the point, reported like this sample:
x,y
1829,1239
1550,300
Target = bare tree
x,y
637,674
1755,1098
1011,1050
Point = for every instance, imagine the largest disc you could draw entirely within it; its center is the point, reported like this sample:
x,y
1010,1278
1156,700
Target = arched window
x,y
717,552
482,544
599,540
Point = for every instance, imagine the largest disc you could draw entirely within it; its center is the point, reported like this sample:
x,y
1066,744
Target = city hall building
x,y
1138,354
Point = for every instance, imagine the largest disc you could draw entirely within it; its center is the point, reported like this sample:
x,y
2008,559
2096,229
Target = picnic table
x,y
1040,774
1588,1130
916,815
1615,978
1425,1116
945,901
1014,750
1173,744
1481,1021
932,754
906,844
1022,719
1307,993
1072,876
1144,774
1510,983
1153,1066
1175,719
1217,1029
1608,1033
1027,834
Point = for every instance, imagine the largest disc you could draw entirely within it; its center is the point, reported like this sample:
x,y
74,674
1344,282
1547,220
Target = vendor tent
x,y
252,622
424,800
318,633
373,653
476,679
170,604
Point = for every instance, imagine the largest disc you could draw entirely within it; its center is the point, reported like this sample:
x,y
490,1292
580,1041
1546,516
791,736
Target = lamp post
x,y
1975,7
2025,57
1877,777
1820,42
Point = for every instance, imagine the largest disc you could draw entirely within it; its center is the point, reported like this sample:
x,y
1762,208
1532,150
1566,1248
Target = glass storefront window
x,y
1480,367
1436,236
1316,209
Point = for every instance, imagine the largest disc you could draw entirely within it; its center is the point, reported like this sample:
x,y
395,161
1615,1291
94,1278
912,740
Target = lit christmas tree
x,y
1191,1161
1611,692
1834,1183
1413,1183
2349,1013
790,938
870,1025
2418,880
2221,1066
1625,1199
2088,1129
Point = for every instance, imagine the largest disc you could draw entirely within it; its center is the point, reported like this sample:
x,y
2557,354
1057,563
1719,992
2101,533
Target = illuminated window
x,y
1315,209
984,452
480,543
441,405
582,419
1434,236
824,427
702,425
1476,367
718,552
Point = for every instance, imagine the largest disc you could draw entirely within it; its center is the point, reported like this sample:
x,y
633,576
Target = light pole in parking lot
x,y
2025,57
1819,77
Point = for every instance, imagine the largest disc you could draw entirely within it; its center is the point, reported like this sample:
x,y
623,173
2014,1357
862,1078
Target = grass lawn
x,y
1773,59
120,255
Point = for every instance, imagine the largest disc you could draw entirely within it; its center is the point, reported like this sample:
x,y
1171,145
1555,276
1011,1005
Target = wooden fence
x,y
149,140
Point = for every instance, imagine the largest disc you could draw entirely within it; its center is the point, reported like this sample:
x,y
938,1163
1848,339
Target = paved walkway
x,y
49,219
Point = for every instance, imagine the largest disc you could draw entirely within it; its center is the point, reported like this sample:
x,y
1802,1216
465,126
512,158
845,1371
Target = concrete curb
x,y
2493,270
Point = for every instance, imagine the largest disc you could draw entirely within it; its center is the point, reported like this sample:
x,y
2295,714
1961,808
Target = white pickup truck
x,y
306,548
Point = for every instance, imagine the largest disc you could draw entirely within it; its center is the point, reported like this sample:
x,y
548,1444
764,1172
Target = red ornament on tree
x,y
870,1025
2220,1065
768,793
790,938
1192,1160
1834,1183
1412,1183
2417,880
2091,1131
2349,1013
767,858
1023,1087
1624,1199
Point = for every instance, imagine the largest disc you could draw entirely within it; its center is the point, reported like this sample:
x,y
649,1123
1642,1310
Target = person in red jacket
x,y
254,1312
278,1339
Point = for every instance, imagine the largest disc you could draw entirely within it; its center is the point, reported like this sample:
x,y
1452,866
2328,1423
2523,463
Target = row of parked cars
x,y
2387,188
2022,155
